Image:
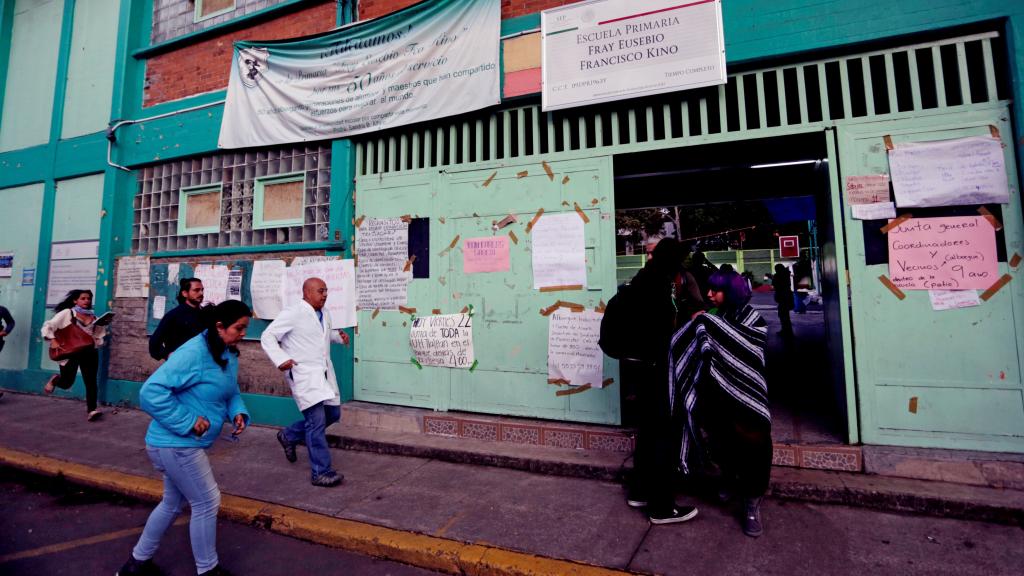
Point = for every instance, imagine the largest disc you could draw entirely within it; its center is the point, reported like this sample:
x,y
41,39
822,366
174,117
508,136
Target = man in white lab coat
x,y
298,342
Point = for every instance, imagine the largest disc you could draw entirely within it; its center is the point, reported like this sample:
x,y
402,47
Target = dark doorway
x,y
732,202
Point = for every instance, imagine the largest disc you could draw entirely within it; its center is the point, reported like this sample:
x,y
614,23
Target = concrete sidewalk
x,y
459,518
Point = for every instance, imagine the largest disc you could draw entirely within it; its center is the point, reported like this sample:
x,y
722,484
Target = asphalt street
x,y
49,527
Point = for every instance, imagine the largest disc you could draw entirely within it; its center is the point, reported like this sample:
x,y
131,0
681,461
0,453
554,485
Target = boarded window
x,y
202,210
207,8
282,201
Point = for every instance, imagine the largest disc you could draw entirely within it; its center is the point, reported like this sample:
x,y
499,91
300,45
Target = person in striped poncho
x,y
718,391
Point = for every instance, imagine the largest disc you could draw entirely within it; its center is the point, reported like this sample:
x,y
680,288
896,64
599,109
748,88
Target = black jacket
x,y
6,320
657,318
176,327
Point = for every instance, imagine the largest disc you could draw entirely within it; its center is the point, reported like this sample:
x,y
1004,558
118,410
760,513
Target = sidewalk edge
x,y
421,550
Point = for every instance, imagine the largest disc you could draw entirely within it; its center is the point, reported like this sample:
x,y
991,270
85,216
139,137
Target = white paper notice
x,y
559,256
339,275
383,248
445,340
953,299
876,211
573,353
949,172
235,278
159,307
172,273
215,282
265,288
132,277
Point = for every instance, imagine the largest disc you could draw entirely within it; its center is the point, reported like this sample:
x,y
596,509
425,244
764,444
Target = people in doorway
x,y
702,269
719,391
180,324
75,312
6,325
298,342
190,397
783,297
650,486
803,283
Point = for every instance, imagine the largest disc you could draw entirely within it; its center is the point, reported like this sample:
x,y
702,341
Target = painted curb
x,y
429,552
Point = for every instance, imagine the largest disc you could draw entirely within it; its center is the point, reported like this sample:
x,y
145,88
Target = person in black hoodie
x,y
181,324
651,484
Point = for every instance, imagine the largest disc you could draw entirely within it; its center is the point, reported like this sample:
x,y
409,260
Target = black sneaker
x,y
289,449
752,525
673,515
328,479
135,567
217,571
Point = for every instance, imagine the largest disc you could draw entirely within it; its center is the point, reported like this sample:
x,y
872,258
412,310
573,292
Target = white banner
x,y
607,50
430,60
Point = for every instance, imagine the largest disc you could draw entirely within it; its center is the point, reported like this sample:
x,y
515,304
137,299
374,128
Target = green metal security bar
x,y
948,74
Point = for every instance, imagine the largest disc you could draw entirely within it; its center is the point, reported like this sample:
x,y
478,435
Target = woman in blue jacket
x,y
190,397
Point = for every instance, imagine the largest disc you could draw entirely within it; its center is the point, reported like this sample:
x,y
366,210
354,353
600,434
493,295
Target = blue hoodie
x,y
190,384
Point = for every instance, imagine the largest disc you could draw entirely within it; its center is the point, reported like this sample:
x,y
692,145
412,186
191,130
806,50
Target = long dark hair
x,y
226,313
69,300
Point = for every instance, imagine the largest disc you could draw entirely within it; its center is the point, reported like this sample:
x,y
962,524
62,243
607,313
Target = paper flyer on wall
x,y
559,254
573,353
949,172
445,340
215,282
265,288
383,248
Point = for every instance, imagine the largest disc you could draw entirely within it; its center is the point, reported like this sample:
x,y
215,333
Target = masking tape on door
x,y
892,287
1003,281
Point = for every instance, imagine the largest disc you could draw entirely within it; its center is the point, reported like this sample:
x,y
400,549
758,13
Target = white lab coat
x,y
297,335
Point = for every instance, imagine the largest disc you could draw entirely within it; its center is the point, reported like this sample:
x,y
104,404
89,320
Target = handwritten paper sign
x,y
953,299
955,253
949,172
573,353
265,288
383,247
868,189
559,256
487,254
215,282
876,211
445,340
172,273
132,277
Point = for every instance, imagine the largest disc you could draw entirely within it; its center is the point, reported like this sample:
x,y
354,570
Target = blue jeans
x,y
310,431
187,476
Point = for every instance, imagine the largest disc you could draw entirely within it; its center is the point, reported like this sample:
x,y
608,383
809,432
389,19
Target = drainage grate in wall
x,y
945,74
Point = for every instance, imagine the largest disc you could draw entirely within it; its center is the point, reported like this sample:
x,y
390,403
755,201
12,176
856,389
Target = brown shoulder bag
x,y
70,340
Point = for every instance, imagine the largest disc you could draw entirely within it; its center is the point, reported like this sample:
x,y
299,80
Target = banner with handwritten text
x,y
444,340
955,253
430,60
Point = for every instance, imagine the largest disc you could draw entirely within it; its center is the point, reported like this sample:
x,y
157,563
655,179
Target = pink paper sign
x,y
869,189
487,254
956,253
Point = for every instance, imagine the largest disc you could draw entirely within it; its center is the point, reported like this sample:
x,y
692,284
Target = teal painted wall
x,y
90,78
35,43
20,234
76,211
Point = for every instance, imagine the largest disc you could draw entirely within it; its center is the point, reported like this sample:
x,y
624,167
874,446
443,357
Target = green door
x,y
951,378
509,333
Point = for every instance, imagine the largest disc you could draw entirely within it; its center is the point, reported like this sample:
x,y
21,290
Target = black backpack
x,y
617,339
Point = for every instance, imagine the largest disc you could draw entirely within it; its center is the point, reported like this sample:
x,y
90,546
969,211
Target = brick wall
x,y
509,8
205,66
129,343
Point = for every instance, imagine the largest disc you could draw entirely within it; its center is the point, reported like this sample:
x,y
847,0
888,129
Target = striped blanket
x,y
723,351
